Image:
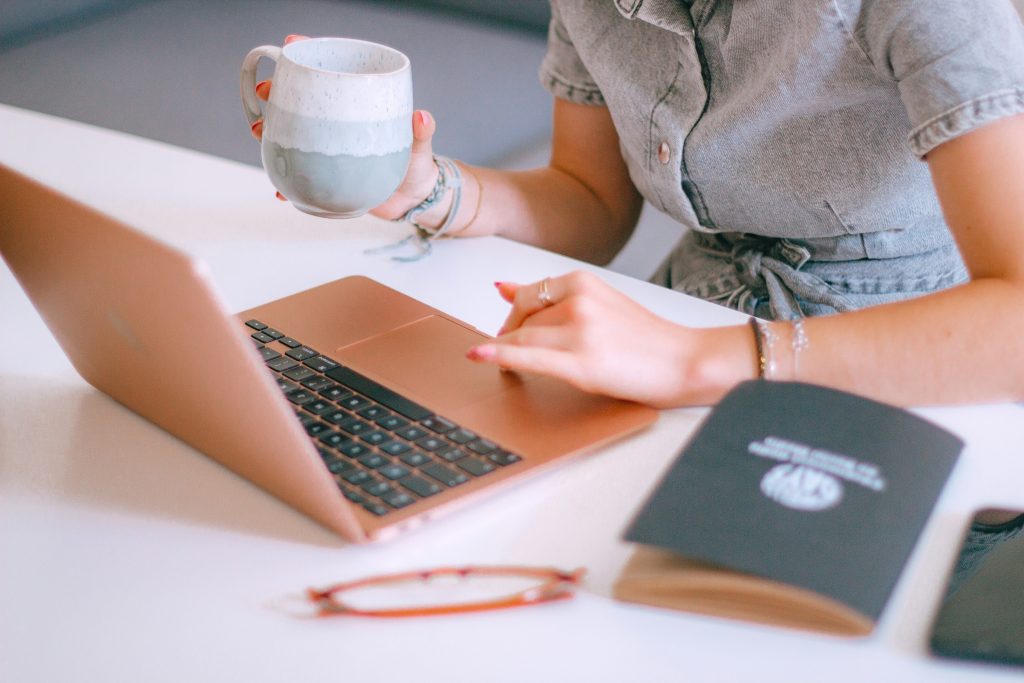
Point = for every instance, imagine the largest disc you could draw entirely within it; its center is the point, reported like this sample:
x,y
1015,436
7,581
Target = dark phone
x,y
981,616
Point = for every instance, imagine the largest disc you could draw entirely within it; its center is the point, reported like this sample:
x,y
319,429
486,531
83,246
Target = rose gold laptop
x,y
352,402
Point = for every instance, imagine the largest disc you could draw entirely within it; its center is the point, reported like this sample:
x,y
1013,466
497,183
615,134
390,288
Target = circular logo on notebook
x,y
801,488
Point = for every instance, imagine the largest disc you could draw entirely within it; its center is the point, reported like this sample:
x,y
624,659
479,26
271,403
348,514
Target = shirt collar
x,y
671,15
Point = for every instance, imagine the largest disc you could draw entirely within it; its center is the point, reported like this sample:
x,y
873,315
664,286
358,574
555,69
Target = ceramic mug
x,y
337,129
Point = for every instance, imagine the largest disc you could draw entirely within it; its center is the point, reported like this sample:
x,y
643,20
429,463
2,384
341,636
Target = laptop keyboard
x,y
384,451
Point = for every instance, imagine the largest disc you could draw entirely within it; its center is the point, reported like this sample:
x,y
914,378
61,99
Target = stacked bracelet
x,y
764,340
449,177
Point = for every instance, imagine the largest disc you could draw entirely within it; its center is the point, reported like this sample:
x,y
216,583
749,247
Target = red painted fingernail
x,y
292,37
424,117
280,196
263,88
482,352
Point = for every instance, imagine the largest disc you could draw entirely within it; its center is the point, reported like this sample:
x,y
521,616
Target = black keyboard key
x,y
269,354
411,433
377,488
376,509
301,353
357,477
300,396
258,343
321,363
379,393
261,337
319,407
415,459
354,450
395,448
483,446
334,439
341,466
354,426
475,467
420,486
335,392
461,436
352,495
393,471
289,342
446,476
398,499
391,422
255,324
438,424
272,332
373,461
299,373
337,416
315,428
431,444
504,458
376,437
451,454
281,363
353,402
373,413
285,385
316,383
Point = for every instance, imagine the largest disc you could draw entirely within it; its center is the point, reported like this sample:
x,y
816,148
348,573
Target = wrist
x,y
453,202
717,360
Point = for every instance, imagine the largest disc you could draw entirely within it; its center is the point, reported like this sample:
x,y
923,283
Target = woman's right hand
x,y
421,174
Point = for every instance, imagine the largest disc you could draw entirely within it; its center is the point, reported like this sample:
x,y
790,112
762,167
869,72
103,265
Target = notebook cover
x,y
804,485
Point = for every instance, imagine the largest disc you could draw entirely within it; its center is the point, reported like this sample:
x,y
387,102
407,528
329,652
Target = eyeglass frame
x,y
557,585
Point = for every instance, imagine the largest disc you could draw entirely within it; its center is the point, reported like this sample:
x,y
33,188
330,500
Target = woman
x,y
855,162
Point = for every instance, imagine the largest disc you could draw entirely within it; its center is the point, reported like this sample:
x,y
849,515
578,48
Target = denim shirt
x,y
788,135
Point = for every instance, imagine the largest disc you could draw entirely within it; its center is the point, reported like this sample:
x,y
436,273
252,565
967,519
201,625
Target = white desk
x,y
127,556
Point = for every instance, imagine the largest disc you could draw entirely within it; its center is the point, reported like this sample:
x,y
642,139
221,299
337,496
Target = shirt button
x,y
664,152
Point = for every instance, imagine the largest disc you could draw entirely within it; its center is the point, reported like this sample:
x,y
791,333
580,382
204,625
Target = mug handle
x,y
250,102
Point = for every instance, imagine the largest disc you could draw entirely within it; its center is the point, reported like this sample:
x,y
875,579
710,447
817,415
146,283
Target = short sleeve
x,y
562,72
958,65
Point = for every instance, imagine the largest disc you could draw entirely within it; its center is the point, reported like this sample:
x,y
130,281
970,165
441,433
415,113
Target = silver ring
x,y
544,295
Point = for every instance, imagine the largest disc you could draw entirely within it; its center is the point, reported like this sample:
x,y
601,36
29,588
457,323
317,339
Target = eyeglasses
x,y
541,585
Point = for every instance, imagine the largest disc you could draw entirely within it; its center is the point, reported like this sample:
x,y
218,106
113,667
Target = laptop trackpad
x,y
426,361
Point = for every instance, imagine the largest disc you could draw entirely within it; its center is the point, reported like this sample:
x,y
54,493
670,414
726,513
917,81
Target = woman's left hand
x,y
579,329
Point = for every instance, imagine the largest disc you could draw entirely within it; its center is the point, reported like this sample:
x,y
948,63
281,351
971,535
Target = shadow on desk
x,y
77,445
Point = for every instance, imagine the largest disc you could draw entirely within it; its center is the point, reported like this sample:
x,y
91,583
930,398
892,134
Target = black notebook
x,y
794,505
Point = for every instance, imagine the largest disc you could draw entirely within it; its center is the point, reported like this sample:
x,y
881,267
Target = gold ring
x,y
544,295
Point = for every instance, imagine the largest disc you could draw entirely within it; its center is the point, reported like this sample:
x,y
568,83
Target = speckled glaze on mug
x,y
337,129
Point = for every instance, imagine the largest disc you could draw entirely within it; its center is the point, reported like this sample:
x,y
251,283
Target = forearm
x,y
582,204
551,209
957,346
